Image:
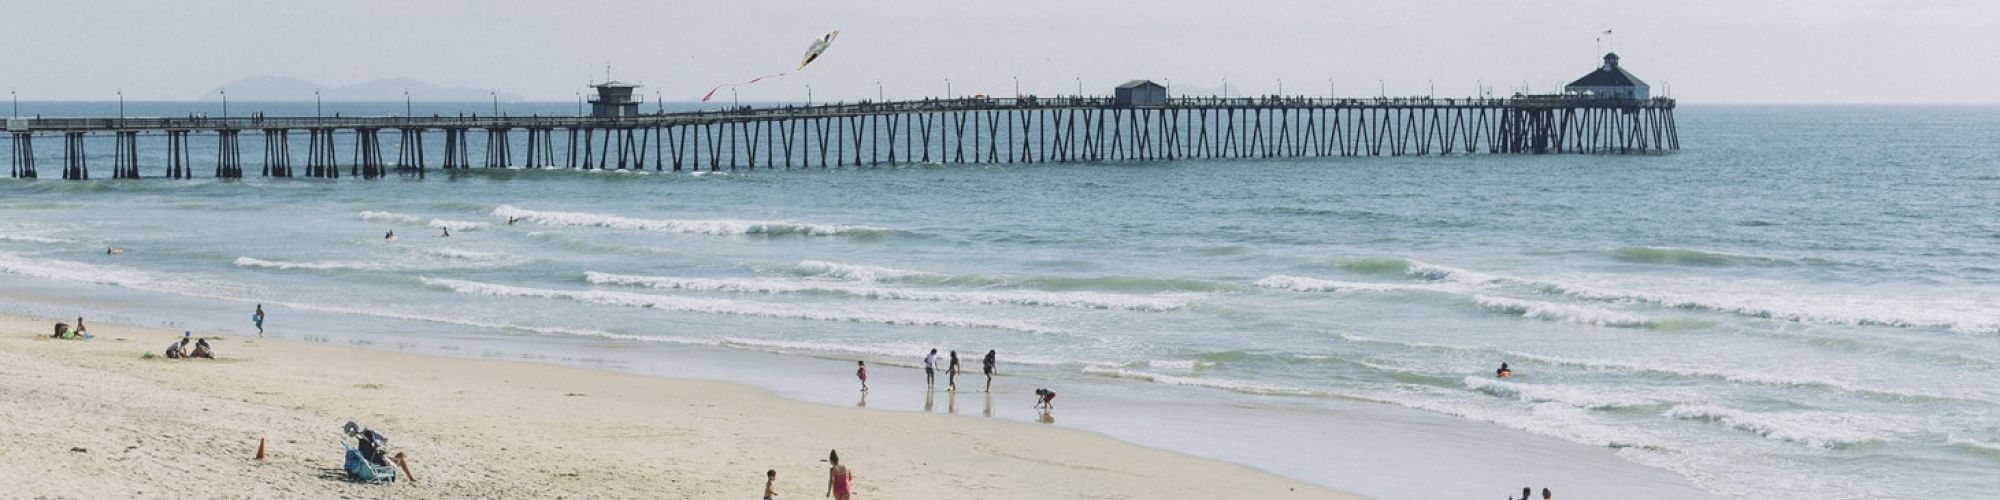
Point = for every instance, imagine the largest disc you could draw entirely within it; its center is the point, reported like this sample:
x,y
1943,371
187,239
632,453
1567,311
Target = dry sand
x,y
91,419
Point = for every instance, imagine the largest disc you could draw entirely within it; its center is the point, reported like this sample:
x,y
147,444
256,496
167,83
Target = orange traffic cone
x,y
260,449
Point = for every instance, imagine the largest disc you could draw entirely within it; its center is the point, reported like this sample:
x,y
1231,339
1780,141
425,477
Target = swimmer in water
x,y
391,236
1503,372
446,234
512,220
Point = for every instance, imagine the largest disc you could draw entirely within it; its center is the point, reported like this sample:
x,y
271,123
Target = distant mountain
x,y
281,88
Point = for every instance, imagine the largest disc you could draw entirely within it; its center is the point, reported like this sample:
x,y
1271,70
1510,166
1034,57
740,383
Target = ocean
x,y
1801,303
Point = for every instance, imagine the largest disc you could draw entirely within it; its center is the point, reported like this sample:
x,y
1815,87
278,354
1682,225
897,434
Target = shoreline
x,y
481,427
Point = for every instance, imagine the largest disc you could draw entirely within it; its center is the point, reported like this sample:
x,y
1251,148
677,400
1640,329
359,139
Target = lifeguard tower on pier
x,y
614,99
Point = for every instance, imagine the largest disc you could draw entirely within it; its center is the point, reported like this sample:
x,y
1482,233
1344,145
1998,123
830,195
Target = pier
x,y
929,131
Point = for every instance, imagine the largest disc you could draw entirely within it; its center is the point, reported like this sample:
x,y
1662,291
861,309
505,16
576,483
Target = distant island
x,y
282,88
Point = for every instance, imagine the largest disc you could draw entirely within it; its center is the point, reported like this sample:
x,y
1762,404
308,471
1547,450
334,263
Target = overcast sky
x,y
1775,51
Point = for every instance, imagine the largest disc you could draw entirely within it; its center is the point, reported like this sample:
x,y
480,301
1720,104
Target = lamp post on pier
x,y
732,98
661,101
406,103
1382,89
316,109
495,94
1079,87
878,91
121,104
809,94
579,104
1281,87
1434,88
1329,89
225,103
1225,87
14,94
947,88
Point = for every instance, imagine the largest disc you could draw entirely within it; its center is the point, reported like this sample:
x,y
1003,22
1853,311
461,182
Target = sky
x,y
1705,51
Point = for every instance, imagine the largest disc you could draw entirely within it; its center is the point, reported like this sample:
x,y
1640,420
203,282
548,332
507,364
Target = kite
x,y
817,47
812,53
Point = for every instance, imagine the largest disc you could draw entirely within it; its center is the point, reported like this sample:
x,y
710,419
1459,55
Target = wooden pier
x,y
931,131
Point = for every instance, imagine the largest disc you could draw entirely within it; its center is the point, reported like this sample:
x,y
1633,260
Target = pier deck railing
x,y
1026,129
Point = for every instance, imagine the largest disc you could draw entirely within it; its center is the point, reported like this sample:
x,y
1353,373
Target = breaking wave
x,y
879,274
1077,300
728,307
720,227
1814,429
1564,313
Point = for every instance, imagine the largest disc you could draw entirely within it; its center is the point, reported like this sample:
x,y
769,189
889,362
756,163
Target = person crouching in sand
x,y
201,350
862,373
1045,399
838,479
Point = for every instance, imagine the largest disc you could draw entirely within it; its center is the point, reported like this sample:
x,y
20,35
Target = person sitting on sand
x,y
1045,399
770,481
81,332
1504,372
839,480
62,330
201,350
177,350
862,373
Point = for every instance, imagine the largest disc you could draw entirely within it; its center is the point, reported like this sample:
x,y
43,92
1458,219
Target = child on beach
x,y
951,372
770,478
258,319
1045,399
838,478
201,350
862,373
177,350
987,366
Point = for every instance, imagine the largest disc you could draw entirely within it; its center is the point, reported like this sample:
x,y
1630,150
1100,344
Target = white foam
x,y
854,272
721,227
392,217
1577,396
1077,300
77,272
730,307
29,238
1815,429
1304,284
1231,385
452,253
1985,446
459,225
314,265
1564,313
1436,272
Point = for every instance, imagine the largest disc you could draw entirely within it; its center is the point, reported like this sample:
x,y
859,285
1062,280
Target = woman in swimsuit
x,y
838,478
862,373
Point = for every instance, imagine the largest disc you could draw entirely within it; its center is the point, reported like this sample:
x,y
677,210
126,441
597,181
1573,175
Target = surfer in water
x,y
512,220
391,236
446,233
1504,371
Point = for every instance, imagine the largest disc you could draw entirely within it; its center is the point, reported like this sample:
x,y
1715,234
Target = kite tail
x,y
711,92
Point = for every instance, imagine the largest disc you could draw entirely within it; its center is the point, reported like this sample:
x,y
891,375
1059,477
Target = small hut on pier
x,y
1140,93
1609,82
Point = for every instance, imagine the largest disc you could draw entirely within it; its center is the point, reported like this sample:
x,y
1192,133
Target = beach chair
x,y
360,469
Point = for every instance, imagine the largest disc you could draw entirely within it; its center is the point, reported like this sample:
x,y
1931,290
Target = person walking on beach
x,y
258,319
951,372
930,370
986,365
838,479
862,373
770,478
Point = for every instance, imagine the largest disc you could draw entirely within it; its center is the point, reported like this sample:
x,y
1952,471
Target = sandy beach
x,y
93,419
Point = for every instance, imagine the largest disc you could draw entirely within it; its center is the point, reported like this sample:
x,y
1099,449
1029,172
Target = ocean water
x,y
1799,304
